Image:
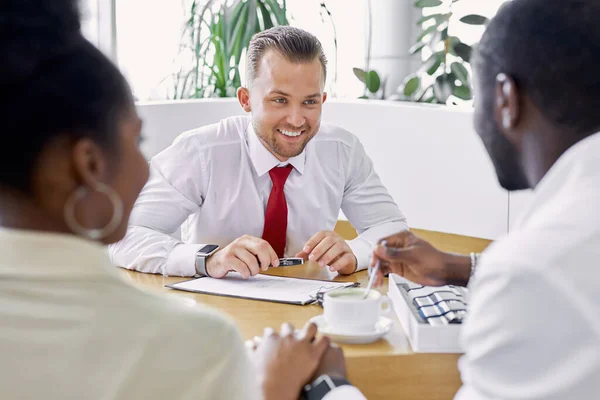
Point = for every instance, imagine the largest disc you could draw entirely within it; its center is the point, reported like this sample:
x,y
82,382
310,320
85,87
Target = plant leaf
x,y
252,26
462,50
439,18
372,81
217,33
415,48
452,40
444,34
433,62
474,19
461,73
428,17
462,92
435,66
439,35
278,10
360,74
427,32
411,84
444,17
427,3
443,87
237,28
267,21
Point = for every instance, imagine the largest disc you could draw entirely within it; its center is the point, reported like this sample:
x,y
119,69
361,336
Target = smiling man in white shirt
x,y
264,186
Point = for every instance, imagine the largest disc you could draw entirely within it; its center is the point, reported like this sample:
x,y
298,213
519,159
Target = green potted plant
x,y
215,36
445,72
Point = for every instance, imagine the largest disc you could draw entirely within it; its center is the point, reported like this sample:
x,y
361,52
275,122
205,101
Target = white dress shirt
x,y
213,182
533,329
71,328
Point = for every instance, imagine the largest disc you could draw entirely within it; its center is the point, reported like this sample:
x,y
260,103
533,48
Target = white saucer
x,y
381,328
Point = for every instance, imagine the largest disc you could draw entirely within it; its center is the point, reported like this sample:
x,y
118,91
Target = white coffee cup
x,y
347,311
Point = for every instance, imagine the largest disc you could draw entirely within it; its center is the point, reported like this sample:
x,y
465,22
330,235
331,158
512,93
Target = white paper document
x,y
262,287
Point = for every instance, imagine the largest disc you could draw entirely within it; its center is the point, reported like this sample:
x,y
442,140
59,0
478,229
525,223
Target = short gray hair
x,y
295,44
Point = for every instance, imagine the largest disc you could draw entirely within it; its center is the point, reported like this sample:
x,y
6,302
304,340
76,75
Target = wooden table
x,y
387,369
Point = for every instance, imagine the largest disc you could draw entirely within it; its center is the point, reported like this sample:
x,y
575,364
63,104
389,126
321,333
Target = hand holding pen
x,y
418,261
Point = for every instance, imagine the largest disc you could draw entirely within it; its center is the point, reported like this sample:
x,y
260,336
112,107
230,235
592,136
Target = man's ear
x,y
89,162
507,106
324,97
243,95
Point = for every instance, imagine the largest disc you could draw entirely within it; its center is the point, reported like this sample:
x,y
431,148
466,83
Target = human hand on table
x,y
332,363
417,260
329,249
247,255
287,361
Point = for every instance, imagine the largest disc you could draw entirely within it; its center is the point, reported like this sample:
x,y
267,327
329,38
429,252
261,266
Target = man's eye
x,y
279,101
310,102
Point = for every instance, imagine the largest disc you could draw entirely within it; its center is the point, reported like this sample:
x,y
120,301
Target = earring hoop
x,y
98,233
506,119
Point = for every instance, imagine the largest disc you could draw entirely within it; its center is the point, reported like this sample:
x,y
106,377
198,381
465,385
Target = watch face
x,y
209,248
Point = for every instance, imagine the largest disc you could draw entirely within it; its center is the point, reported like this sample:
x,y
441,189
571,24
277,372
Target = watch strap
x,y
201,264
321,386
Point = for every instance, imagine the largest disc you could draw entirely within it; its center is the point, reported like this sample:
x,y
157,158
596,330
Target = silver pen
x,y
374,273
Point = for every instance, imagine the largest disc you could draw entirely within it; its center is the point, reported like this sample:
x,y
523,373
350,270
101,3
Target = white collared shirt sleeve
x,y
345,392
368,206
527,337
170,196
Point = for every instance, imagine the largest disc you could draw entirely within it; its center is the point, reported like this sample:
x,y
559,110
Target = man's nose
x,y
295,118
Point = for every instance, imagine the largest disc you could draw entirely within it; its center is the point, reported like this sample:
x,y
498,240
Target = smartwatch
x,y
201,257
321,386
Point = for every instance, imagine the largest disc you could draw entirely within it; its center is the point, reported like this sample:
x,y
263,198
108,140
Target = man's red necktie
x,y
275,228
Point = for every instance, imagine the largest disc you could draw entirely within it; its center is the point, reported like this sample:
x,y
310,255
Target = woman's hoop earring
x,y
94,234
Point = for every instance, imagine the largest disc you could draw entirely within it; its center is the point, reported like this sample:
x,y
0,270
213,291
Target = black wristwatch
x,y
321,386
201,257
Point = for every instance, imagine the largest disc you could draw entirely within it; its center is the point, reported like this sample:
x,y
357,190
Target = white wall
x,y
429,157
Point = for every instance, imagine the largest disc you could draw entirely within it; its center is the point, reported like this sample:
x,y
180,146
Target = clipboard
x,y
262,287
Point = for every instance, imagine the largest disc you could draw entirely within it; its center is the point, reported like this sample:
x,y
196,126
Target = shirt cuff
x,y
363,245
362,251
182,260
345,392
